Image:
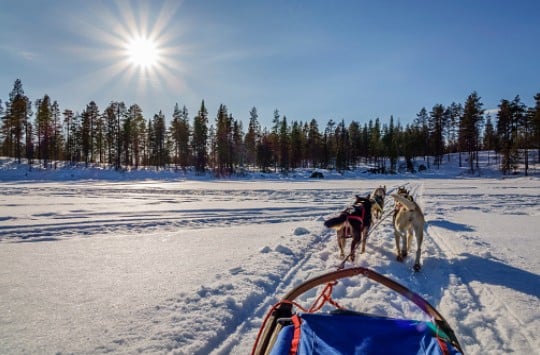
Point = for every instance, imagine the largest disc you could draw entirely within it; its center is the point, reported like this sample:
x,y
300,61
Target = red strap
x,y
296,335
443,346
359,218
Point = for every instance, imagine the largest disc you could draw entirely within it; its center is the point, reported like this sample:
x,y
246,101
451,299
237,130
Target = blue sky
x,y
351,60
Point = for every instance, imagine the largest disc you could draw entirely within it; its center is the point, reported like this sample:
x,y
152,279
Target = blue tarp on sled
x,y
360,334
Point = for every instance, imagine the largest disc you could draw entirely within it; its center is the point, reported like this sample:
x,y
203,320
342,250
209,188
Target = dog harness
x,y
359,218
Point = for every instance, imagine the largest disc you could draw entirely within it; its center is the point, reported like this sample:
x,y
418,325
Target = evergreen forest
x,y
120,137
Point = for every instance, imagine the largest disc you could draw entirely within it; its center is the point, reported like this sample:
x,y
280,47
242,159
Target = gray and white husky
x,y
408,220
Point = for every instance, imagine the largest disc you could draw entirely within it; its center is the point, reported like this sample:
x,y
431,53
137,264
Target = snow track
x,y
188,268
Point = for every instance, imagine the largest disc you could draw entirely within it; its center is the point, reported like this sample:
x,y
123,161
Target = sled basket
x,y
290,328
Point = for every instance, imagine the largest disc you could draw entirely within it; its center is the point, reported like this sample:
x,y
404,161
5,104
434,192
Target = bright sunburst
x,y
143,52
139,43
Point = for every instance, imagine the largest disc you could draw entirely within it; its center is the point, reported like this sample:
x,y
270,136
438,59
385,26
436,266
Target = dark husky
x,y
353,222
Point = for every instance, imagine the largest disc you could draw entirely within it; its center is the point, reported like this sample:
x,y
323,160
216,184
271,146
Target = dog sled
x,y
290,328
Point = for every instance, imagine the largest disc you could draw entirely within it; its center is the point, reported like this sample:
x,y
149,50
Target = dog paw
x,y
399,258
417,267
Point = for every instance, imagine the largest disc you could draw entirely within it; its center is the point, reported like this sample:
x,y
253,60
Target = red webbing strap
x,y
359,218
296,335
267,318
325,296
442,345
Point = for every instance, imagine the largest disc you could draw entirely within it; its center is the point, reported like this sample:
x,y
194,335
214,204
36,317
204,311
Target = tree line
x,y
121,137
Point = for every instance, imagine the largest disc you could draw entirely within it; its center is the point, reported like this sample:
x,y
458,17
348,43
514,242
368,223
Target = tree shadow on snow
x,y
490,271
456,227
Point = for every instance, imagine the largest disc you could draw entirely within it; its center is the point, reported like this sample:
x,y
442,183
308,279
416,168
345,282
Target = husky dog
x,y
353,222
377,201
402,191
408,219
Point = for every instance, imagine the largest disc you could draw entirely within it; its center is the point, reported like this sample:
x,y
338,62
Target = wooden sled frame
x,y
284,309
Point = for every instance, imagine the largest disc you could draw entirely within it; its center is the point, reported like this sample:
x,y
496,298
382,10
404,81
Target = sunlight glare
x,y
143,52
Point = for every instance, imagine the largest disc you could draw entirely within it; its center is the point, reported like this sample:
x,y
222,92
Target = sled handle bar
x,y
424,305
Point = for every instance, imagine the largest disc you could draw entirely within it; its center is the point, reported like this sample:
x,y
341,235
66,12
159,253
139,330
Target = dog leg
x,y
356,235
397,235
404,246
419,239
364,240
409,240
341,241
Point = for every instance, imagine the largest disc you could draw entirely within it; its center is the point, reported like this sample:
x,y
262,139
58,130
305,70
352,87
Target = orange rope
x,y
325,296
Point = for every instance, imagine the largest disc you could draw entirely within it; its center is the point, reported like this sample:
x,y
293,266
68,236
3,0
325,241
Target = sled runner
x,y
290,328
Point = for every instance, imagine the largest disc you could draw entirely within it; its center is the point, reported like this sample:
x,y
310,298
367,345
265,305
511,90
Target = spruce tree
x,y
44,129
536,124
223,141
436,125
284,145
15,120
297,145
252,137
470,127
314,144
200,136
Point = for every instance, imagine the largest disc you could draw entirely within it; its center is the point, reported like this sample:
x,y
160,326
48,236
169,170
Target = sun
x,y
143,52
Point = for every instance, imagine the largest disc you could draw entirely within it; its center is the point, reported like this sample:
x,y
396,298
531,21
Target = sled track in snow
x,y
68,213
315,260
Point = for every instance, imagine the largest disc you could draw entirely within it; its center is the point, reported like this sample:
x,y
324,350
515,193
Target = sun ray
x,y
138,48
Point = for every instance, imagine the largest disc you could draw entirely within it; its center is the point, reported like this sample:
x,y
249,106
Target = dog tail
x,y
405,202
335,222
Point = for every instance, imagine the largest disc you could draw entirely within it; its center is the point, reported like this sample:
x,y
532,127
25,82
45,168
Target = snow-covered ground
x,y
116,262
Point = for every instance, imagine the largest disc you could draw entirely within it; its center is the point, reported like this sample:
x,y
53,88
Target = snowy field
x,y
191,266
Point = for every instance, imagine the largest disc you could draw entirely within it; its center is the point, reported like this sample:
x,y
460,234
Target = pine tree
x,y
92,112
328,145
470,127
99,138
284,145
238,146
523,129
57,138
535,113
157,144
252,137
297,145
200,136
68,122
455,111
436,126
132,132
111,131
355,135
265,152
342,147
390,142
490,137
422,123
44,129
15,120
314,144
223,141
119,111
